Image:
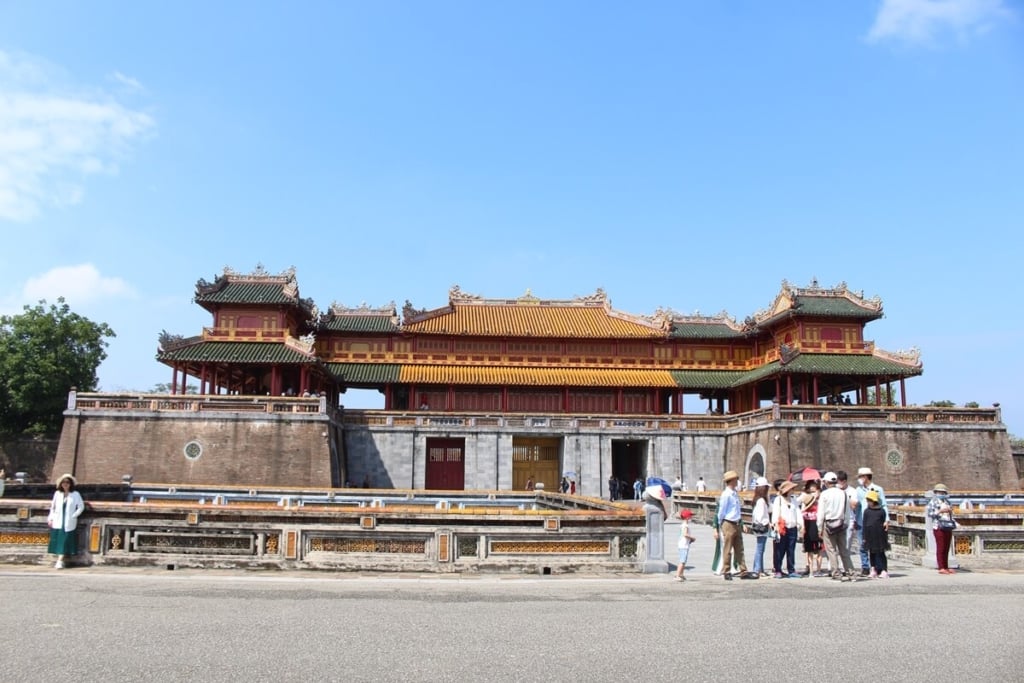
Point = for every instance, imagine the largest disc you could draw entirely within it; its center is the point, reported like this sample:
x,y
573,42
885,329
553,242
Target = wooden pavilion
x,y
526,354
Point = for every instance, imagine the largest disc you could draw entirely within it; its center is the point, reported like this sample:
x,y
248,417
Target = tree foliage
x,y
889,396
164,388
941,404
43,353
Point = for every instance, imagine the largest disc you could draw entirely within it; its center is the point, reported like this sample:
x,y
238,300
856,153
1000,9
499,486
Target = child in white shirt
x,y
685,539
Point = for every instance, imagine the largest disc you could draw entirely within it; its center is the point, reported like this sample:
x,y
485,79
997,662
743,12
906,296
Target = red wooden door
x,y
446,464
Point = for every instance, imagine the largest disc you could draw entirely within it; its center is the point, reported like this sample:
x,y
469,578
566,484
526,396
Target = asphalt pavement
x,y
103,623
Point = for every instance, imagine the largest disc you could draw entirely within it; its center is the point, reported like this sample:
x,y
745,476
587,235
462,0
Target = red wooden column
x,y
657,401
903,392
618,400
174,379
387,397
565,399
450,399
504,399
878,391
789,390
814,396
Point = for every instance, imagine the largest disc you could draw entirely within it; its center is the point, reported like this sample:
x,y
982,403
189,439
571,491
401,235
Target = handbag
x,y
947,523
836,525
760,528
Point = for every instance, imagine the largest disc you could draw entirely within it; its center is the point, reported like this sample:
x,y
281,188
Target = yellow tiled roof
x,y
534,319
502,376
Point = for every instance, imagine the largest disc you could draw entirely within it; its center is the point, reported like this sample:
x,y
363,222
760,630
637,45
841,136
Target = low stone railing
x,y
992,538
380,418
383,535
664,423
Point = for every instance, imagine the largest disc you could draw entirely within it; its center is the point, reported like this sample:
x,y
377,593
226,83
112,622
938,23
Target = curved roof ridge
x,y
789,299
598,299
363,309
911,357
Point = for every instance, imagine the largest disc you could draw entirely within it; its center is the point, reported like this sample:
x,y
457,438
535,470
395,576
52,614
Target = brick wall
x,y
236,449
32,456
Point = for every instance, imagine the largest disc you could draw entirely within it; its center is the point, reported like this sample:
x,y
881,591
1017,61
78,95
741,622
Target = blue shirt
x,y
729,509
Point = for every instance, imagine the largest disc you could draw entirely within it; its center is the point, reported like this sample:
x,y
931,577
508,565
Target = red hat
x,y
685,514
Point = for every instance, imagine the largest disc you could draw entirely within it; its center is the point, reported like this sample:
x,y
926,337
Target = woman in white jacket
x,y
65,509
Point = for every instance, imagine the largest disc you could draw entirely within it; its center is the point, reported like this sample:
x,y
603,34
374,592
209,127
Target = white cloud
x,y
925,21
77,284
52,137
127,81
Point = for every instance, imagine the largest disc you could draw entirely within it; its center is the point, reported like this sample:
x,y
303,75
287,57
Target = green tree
x,y
164,388
941,404
889,396
43,353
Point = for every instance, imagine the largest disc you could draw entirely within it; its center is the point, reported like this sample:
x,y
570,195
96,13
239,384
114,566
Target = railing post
x,y
654,528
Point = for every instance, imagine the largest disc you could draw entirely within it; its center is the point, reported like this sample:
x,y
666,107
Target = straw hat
x,y
786,487
865,470
730,476
65,476
940,488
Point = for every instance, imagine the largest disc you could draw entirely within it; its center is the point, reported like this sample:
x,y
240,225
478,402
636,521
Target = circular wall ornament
x,y
193,449
895,461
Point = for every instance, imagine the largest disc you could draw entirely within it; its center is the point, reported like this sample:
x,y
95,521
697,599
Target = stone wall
x,y
902,457
380,451
33,456
240,449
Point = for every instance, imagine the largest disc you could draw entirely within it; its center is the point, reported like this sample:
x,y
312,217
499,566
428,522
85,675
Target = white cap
x,y
864,470
830,477
761,481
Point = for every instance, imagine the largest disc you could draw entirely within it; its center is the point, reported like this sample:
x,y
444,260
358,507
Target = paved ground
x,y
129,624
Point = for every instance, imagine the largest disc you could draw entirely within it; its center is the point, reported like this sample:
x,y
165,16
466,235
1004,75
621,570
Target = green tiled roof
x,y
706,379
833,364
825,307
365,373
693,330
248,293
835,306
358,323
236,352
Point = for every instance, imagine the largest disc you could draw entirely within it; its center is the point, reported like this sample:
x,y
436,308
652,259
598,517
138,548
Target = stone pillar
x,y
654,527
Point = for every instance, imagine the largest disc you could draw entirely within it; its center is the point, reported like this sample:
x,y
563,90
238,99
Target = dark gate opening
x,y
629,463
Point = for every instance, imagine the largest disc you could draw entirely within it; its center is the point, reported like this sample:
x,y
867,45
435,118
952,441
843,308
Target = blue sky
x,y
689,155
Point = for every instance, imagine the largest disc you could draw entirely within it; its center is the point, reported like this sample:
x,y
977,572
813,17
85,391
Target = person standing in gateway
x,y
65,508
729,512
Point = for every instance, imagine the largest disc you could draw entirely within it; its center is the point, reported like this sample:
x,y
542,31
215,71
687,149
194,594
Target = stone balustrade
x,y
380,531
